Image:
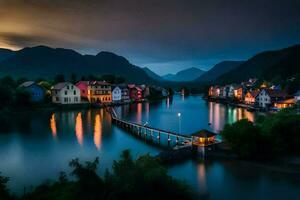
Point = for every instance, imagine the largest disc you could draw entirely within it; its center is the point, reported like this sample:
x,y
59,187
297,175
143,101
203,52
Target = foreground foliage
x,y
269,137
143,178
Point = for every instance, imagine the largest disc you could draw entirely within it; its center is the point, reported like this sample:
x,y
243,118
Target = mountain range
x,y
46,62
189,74
274,66
152,74
218,70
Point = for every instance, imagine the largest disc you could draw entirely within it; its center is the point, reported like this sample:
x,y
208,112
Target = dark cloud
x,y
164,33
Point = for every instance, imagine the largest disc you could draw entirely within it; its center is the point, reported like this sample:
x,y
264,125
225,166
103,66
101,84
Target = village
x,y
253,96
92,92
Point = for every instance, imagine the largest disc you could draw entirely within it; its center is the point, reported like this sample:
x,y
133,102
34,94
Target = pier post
x,y
158,137
169,139
177,139
151,134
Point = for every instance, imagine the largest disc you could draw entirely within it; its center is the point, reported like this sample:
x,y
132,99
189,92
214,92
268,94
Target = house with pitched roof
x,y
250,97
267,97
95,91
116,94
65,93
37,92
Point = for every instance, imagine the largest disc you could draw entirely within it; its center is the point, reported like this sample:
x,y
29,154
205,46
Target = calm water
x,y
42,144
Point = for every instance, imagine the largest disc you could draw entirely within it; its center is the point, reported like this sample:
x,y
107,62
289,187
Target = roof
x,y
27,84
275,93
288,101
131,86
138,88
204,134
60,86
99,83
297,93
254,93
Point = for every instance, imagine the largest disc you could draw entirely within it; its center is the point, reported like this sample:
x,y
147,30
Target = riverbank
x,y
235,104
287,164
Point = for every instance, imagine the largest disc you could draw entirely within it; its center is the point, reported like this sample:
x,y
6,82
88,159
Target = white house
x,y
267,97
65,93
297,96
116,94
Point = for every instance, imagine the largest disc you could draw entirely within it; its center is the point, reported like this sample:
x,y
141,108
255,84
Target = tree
x,y
59,78
143,178
73,78
23,98
4,192
243,137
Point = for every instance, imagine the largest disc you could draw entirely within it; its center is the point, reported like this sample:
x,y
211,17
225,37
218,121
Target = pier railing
x,y
153,133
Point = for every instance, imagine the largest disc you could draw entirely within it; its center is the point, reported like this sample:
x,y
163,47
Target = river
x,y
42,143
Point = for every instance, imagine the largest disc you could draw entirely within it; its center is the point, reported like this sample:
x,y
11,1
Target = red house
x,y
83,86
135,93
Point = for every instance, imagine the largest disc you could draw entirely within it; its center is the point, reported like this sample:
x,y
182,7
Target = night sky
x,y
165,35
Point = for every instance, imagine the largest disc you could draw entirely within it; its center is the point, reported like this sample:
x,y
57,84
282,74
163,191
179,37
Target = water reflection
x,y
220,114
53,125
202,178
98,131
79,129
139,113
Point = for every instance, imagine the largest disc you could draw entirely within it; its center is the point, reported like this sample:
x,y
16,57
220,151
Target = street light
x,y
179,122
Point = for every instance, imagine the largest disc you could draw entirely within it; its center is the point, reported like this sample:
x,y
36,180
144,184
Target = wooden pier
x,y
150,133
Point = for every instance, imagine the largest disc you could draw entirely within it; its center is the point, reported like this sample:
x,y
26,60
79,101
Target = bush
x,y
243,137
144,178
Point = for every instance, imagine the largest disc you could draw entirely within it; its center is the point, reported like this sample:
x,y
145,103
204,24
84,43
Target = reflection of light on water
x,y
250,116
239,114
53,126
147,109
202,177
216,117
139,113
97,132
79,129
168,102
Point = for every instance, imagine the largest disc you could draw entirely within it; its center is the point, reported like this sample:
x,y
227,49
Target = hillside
x,y
5,53
189,74
218,70
42,61
152,75
272,66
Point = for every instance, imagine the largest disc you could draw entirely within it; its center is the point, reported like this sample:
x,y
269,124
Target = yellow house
x,y
99,92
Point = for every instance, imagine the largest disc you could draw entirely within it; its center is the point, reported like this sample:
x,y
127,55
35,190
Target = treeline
x,y
143,178
268,137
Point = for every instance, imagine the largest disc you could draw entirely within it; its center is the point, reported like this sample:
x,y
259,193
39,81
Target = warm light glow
x,y
139,113
98,131
202,177
79,129
53,125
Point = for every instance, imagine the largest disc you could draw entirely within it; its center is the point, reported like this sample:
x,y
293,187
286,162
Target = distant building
x,y
83,86
65,93
99,92
37,92
239,93
250,97
124,93
284,103
95,91
116,94
297,96
145,91
135,92
267,97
